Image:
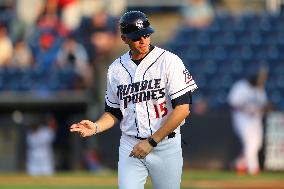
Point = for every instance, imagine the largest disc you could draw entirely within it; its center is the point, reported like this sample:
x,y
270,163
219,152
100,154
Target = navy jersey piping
x,y
182,89
112,102
125,69
137,128
152,64
149,121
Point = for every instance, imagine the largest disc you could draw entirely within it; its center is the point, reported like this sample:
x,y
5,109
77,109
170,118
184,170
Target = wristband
x,y
152,142
97,128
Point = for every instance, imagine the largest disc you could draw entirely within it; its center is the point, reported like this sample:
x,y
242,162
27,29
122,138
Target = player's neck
x,y
137,56
140,56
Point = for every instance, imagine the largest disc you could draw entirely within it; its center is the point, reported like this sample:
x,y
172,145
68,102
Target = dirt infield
x,y
222,181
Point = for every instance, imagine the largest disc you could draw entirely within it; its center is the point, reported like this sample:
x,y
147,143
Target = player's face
x,y
139,47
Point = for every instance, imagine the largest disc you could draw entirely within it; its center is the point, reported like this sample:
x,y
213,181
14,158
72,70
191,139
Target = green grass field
x,y
194,179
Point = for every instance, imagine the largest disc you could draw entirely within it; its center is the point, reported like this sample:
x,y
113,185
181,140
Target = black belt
x,y
171,135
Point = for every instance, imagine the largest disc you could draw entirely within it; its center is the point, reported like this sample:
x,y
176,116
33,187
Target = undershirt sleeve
x,y
183,99
114,111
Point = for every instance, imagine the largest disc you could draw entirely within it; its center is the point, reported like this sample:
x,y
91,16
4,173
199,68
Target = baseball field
x,y
193,179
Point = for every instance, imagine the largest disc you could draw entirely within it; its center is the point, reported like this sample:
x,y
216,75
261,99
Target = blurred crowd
x,y
54,45
198,13
64,37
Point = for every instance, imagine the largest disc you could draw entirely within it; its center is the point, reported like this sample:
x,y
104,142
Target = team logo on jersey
x,y
140,91
187,76
139,24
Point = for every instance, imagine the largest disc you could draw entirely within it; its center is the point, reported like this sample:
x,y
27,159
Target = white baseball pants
x,y
163,164
251,135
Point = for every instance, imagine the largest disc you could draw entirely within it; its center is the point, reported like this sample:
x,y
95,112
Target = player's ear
x,y
124,39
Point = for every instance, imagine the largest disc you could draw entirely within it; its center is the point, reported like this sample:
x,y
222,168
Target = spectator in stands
x,y
113,7
198,13
8,17
74,54
70,13
6,47
40,160
98,33
6,11
247,99
49,20
45,52
22,56
116,7
29,11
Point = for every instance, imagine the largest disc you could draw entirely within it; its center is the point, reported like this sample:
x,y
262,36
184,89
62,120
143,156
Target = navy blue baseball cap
x,y
135,24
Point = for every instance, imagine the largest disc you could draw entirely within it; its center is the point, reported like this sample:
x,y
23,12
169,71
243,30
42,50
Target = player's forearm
x,y
106,121
172,122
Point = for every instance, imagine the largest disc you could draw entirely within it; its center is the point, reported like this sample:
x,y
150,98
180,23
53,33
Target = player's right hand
x,y
85,128
141,149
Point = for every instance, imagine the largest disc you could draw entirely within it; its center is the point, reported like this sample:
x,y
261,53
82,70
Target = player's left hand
x,y
141,150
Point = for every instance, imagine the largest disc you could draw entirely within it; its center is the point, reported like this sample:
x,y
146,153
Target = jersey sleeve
x,y
111,98
180,80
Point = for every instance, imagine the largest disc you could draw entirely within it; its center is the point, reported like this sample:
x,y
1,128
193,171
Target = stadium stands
x,y
230,48
36,79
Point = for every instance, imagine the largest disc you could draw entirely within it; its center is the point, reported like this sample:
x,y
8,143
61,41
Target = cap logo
x,y
139,24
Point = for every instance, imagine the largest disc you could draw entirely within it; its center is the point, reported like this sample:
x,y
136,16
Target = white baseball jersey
x,y
144,92
251,99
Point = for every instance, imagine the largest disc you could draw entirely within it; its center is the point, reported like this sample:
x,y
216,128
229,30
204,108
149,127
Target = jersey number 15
x,y
161,109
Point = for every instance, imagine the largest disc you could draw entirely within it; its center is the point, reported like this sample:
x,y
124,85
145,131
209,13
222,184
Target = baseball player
x,y
149,92
248,101
40,159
